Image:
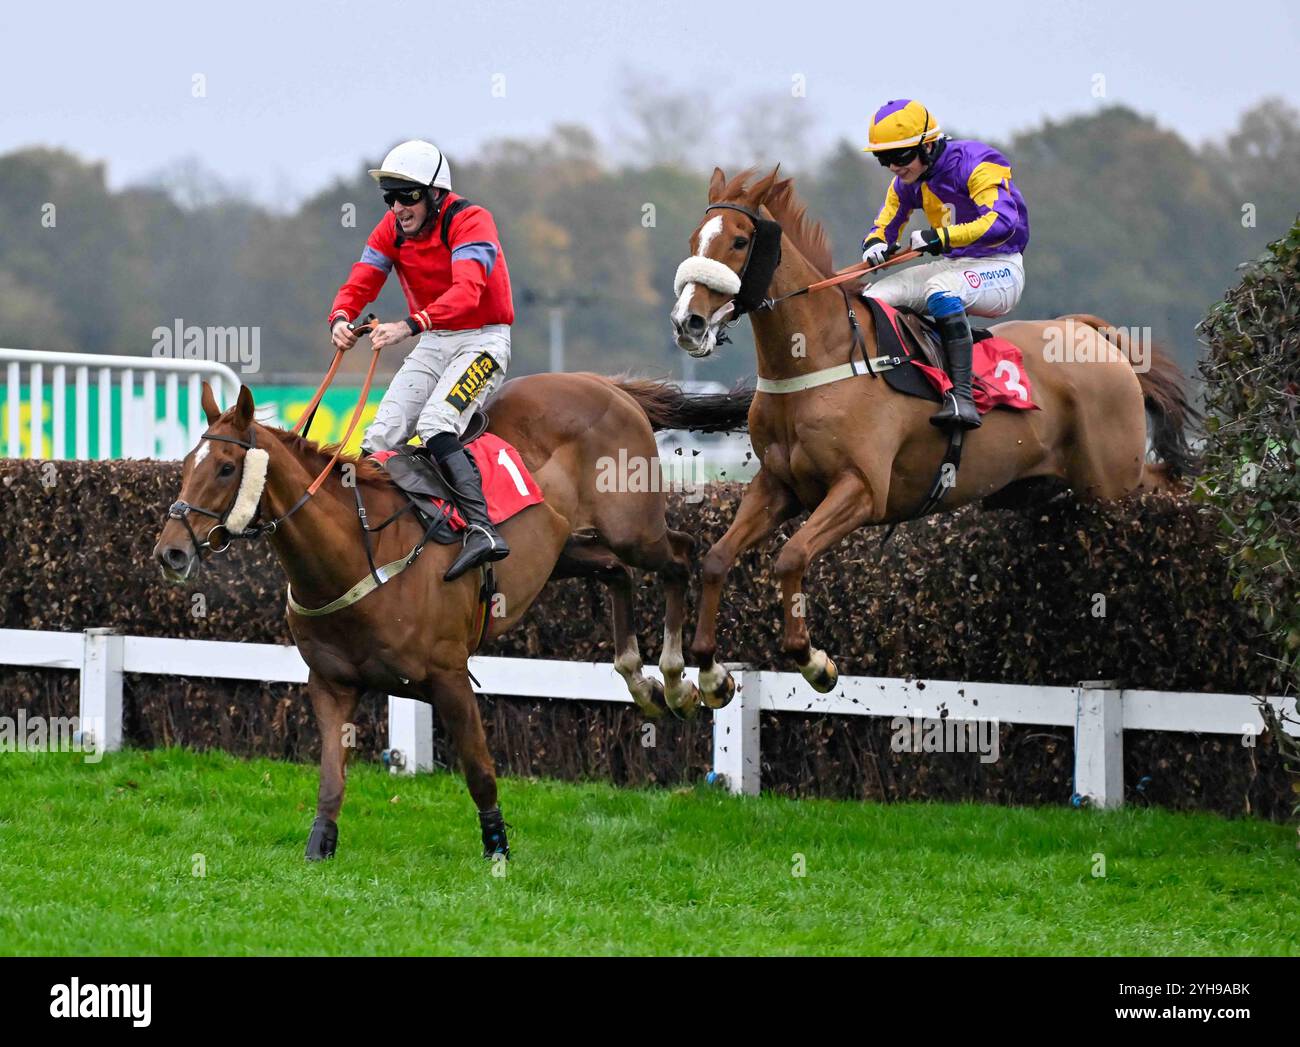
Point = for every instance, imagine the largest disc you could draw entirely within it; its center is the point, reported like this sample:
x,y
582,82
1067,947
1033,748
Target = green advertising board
x,y
276,405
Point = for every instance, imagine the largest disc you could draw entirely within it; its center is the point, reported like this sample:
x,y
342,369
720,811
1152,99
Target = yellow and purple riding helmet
x,y
901,126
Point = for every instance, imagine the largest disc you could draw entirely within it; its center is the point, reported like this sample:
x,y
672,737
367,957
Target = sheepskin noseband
x,y
709,272
251,485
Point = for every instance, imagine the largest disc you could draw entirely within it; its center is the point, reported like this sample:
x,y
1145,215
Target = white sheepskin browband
x,y
251,484
707,271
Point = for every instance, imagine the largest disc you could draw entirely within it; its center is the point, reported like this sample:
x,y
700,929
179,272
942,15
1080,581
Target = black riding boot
x,y
958,407
482,543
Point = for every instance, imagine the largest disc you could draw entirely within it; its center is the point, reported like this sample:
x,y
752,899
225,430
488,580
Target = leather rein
x,y
180,510
946,474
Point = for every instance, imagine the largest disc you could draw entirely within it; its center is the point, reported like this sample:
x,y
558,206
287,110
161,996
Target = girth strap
x,y
952,457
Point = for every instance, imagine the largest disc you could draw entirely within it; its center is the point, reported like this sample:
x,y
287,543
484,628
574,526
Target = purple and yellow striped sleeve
x,y
893,216
999,213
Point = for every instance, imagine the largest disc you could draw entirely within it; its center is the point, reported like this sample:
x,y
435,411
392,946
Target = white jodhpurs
x,y
446,375
986,286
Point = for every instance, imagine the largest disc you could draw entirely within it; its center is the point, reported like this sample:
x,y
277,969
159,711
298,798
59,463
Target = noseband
x,y
251,529
760,267
760,263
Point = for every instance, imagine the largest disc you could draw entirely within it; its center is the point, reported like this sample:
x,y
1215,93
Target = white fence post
x,y
101,689
410,736
737,758
1099,743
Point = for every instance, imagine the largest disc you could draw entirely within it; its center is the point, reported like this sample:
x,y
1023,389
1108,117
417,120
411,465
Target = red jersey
x,y
454,288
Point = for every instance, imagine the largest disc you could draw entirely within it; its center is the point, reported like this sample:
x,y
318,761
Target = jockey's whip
x,y
843,276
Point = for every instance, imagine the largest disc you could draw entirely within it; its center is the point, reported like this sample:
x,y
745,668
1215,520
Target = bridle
x,y
754,283
756,279
181,510
378,574
761,261
759,281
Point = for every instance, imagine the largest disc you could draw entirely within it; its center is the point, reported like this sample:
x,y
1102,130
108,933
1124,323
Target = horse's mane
x,y
368,472
807,235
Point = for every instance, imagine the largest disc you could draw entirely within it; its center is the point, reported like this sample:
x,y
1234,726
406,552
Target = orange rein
x,y
844,275
367,327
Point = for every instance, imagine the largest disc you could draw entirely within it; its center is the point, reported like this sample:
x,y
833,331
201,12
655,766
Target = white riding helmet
x,y
415,161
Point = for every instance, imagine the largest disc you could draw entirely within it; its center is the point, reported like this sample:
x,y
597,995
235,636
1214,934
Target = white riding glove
x,y
875,252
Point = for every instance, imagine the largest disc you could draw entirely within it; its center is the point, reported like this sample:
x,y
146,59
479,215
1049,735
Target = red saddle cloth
x,y
997,367
508,486
998,376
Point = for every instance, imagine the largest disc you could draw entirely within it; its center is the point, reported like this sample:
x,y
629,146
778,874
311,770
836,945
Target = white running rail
x,y
130,424
1097,710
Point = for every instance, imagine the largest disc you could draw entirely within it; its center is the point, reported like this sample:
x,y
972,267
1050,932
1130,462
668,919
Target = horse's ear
x,y
716,184
762,190
244,408
209,404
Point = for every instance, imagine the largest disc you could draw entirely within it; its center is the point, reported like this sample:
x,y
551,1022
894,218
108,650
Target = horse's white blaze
x,y
708,231
683,302
201,452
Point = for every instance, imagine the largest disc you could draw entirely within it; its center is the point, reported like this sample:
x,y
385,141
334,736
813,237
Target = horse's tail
x,y
669,407
1165,394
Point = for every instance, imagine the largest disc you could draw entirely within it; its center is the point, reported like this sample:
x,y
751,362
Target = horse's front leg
x,y
457,708
335,704
847,506
766,504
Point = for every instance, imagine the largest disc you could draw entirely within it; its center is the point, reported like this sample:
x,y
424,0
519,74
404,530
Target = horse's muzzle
x,y
177,561
694,335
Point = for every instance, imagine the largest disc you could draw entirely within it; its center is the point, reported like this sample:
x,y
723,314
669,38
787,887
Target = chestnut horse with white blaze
x,y
412,635
855,452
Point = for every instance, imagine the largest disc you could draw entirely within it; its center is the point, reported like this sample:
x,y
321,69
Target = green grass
x,y
98,858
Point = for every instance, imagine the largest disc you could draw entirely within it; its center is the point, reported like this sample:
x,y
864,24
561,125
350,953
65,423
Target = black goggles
x,y
405,196
901,157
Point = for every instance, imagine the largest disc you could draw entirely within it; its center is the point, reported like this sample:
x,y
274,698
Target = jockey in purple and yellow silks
x,y
978,221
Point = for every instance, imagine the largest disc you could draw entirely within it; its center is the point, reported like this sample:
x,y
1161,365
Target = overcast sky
x,y
299,93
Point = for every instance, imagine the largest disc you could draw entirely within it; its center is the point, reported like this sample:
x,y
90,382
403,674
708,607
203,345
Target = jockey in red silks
x,y
978,225
448,257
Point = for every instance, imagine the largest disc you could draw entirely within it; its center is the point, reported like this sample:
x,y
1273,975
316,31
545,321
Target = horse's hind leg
x,y
647,692
458,710
670,559
587,558
334,705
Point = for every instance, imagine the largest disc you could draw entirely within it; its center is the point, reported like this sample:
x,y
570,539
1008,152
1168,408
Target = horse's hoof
x,y
721,698
824,679
688,704
655,703
323,841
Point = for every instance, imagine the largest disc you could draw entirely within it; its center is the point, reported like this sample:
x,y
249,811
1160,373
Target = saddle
x,y
413,469
913,339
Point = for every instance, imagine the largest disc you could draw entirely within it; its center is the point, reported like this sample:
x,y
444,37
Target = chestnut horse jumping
x,y
854,452
413,635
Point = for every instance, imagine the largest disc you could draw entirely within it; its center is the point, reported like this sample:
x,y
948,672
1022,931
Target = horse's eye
x,y
227,468
739,242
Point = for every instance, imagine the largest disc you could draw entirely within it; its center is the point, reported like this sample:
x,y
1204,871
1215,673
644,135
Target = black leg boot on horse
x,y
494,833
958,407
482,543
